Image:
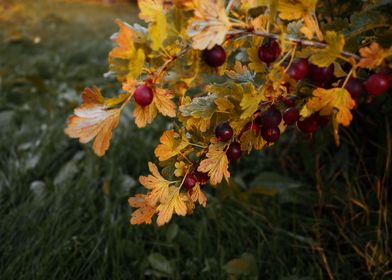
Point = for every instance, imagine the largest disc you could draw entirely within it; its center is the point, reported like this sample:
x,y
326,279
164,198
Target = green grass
x,y
299,210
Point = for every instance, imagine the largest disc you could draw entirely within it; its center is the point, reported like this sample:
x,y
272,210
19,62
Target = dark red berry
x,y
202,177
271,118
223,132
290,115
269,52
143,95
289,101
270,134
355,87
214,57
252,126
257,120
307,125
189,181
321,76
299,69
321,120
377,84
234,151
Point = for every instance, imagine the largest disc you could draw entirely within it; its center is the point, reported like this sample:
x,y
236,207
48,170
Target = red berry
x,y
377,84
201,177
321,76
322,120
299,69
223,132
234,151
257,120
143,95
253,126
189,181
214,57
289,101
355,87
270,134
269,52
308,125
290,115
271,118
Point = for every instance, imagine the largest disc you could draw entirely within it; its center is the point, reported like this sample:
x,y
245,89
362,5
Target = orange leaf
x,y
144,213
210,26
198,195
174,203
373,55
144,115
216,163
327,100
163,102
158,185
124,40
171,144
94,119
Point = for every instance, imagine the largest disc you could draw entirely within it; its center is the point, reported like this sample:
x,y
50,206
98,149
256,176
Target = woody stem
x,y
299,41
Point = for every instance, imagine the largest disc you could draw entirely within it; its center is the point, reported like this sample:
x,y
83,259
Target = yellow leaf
x,y
210,25
136,65
249,139
181,167
149,9
144,115
255,63
328,100
260,23
200,124
198,195
158,185
94,119
324,57
152,11
306,112
157,31
250,101
171,145
175,202
338,70
216,163
111,102
373,56
223,104
144,213
301,9
163,102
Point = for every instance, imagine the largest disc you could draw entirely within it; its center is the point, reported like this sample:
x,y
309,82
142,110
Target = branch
x,y
299,41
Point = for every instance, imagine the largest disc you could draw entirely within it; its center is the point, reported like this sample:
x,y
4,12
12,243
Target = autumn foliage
x,y
280,68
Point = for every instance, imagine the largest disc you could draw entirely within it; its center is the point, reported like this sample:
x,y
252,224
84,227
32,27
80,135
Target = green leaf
x,y
271,183
245,265
160,263
172,232
200,107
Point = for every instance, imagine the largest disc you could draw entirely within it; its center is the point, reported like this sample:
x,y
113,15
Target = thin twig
x,y
228,7
299,41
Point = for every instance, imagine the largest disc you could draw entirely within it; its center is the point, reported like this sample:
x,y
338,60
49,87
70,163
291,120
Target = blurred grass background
x,y
298,210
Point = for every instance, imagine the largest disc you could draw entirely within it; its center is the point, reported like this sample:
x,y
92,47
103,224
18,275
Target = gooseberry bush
x,y
233,76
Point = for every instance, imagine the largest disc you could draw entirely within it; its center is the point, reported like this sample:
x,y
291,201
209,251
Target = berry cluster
x,y
267,122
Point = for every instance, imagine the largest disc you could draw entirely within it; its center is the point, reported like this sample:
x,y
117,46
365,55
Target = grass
x,y
299,210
